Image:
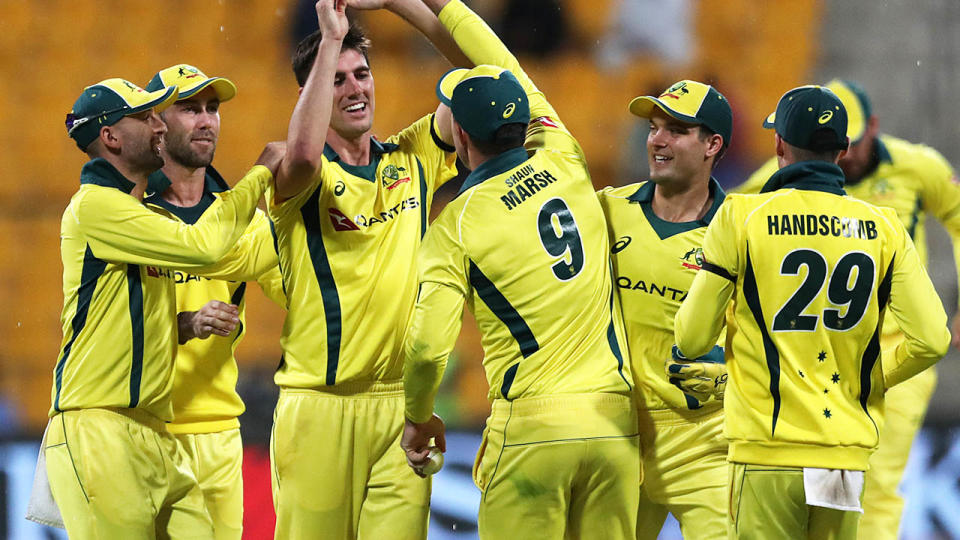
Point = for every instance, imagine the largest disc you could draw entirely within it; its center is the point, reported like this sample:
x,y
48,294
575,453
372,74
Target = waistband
x,y
139,416
669,417
357,389
203,426
563,417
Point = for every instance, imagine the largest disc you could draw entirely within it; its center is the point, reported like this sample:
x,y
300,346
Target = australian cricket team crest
x,y
392,176
692,259
676,91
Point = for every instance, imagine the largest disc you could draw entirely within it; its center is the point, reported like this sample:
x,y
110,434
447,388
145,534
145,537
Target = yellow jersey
x,y
204,391
913,179
812,272
347,245
654,263
119,313
524,243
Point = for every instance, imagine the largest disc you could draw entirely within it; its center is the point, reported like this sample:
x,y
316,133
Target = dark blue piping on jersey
x,y
368,171
614,345
752,296
423,199
665,229
507,314
135,290
915,217
872,352
310,211
92,270
495,166
235,300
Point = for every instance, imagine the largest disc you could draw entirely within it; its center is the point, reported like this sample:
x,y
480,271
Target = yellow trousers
x,y
338,469
117,473
564,466
216,460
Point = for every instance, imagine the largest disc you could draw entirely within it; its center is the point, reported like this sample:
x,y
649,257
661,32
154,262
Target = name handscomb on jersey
x,y
821,225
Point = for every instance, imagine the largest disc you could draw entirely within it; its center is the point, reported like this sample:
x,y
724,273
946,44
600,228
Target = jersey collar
x,y
101,172
666,229
495,166
367,172
808,175
158,182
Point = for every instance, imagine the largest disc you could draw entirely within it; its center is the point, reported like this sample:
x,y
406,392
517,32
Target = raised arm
x,y
310,120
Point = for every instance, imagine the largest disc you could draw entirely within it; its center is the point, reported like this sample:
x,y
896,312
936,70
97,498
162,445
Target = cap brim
x,y
224,88
159,100
643,107
448,82
770,121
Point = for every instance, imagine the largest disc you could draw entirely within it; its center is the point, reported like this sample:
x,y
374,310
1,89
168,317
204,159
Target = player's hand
x,y
370,4
272,155
702,377
955,331
416,441
332,17
214,318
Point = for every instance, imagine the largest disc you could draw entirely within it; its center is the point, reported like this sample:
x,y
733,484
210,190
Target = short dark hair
x,y
706,133
507,137
822,147
306,51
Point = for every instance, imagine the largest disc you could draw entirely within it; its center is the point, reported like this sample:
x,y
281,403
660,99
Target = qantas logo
x,y
341,222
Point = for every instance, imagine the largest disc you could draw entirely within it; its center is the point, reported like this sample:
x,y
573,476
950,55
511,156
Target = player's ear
x,y
110,138
714,144
780,148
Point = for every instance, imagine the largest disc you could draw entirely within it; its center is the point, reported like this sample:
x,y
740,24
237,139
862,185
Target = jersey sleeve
x,y
119,228
482,46
252,258
700,319
941,196
917,309
439,159
437,315
755,182
294,203
433,334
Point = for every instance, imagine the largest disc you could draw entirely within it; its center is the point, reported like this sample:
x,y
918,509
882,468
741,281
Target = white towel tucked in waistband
x,y
839,489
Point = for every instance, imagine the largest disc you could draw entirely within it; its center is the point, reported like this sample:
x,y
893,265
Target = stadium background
x,y
589,56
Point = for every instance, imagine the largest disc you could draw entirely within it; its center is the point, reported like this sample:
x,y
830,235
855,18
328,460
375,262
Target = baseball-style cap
x,y
191,80
484,98
855,100
692,102
106,102
810,117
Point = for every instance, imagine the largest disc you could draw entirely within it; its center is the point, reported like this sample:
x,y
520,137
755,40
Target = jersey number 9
x,y
559,236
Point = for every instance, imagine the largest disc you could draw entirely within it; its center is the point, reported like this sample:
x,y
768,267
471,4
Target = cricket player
x,y
349,211
915,180
524,244
813,273
656,230
205,400
114,470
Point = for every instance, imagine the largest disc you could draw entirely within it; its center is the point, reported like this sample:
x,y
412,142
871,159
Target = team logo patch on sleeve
x,y
545,121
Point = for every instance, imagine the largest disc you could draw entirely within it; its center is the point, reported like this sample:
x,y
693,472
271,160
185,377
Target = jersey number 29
x,y
840,291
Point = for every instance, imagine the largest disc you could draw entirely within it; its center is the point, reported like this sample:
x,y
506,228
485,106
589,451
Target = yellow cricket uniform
x,y
205,401
115,368
916,181
812,272
683,451
524,244
347,246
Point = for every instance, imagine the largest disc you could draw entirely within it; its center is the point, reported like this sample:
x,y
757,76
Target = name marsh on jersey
x,y
821,225
525,183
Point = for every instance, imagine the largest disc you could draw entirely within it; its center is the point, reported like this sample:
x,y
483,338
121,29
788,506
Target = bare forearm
x,y
309,122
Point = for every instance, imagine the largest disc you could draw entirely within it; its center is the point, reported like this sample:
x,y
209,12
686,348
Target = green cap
x,y
855,100
105,103
692,102
811,117
190,80
484,98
